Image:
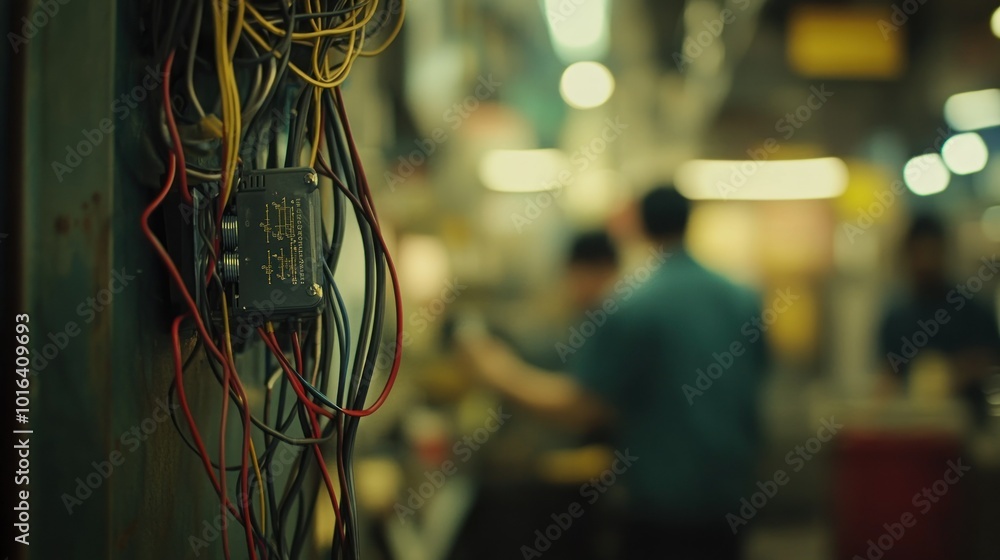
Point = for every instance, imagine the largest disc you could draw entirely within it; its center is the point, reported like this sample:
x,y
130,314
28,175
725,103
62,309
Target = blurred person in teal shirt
x,y
669,364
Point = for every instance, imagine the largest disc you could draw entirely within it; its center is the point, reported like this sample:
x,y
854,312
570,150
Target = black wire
x,y
297,132
282,50
367,349
171,23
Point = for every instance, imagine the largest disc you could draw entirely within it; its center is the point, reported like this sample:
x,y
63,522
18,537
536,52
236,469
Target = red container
x,y
897,495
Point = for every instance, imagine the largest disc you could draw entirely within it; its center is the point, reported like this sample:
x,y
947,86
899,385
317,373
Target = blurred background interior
x,y
809,136
809,133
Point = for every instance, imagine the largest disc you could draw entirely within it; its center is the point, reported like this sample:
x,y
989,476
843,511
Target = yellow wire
x,y
229,92
340,30
318,125
393,35
342,69
324,75
298,71
225,50
232,94
309,10
234,39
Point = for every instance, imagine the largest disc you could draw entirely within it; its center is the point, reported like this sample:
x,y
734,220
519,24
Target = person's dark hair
x,y
665,212
924,226
593,248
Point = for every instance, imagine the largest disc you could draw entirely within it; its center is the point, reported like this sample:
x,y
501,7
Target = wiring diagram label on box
x,y
277,242
285,242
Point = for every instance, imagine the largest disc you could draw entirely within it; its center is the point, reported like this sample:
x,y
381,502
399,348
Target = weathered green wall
x,y
107,379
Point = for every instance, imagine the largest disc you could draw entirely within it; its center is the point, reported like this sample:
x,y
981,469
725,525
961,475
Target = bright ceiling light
x,y
965,153
762,180
579,30
585,85
995,23
926,174
973,110
524,170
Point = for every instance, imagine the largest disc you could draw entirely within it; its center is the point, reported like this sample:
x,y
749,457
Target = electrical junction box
x,y
272,262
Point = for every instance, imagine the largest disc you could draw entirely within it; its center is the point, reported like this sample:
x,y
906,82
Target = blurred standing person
x,y
938,317
591,269
688,459
548,463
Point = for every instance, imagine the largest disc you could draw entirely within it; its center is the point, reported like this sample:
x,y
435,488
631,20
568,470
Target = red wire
x,y
186,193
182,398
219,485
192,426
359,169
222,453
179,151
289,371
316,434
395,283
326,477
368,208
341,469
272,343
175,137
230,377
298,351
217,482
